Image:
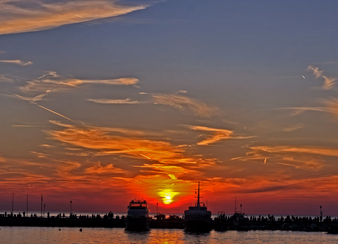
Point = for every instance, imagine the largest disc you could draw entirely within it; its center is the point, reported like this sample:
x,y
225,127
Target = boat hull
x,y
197,226
137,224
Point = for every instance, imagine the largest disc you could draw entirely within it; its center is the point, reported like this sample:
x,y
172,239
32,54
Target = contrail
x,y
55,112
139,153
23,98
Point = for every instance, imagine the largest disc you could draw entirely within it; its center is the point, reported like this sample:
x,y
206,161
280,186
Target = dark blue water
x,y
51,235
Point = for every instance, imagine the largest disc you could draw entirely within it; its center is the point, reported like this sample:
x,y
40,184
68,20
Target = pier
x,y
220,223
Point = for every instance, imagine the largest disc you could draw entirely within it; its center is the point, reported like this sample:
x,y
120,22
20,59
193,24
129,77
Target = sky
x,y
103,102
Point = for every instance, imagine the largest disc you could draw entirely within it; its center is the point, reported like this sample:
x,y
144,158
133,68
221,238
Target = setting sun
x,y
167,196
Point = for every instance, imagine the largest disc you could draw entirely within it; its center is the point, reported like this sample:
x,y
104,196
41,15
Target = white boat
x,y
197,218
138,216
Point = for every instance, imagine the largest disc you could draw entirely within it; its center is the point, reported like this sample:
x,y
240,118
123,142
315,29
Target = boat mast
x,y
235,205
198,195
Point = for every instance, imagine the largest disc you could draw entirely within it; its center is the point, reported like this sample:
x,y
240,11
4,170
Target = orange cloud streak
x,y
185,103
289,149
160,176
219,134
51,82
42,15
106,142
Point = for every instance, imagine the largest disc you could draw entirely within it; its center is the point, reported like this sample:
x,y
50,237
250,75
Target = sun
x,y
167,196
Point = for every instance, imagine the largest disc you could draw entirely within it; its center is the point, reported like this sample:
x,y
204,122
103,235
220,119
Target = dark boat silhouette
x,y
197,218
138,216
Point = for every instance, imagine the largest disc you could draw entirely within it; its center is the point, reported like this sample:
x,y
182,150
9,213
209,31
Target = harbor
x,y
196,219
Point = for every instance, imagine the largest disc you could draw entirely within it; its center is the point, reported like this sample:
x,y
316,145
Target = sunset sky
x,y
106,101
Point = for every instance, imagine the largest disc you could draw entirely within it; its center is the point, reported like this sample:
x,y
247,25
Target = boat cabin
x,y
137,205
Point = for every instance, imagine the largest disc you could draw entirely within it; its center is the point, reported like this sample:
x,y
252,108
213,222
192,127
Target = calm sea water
x,y
51,235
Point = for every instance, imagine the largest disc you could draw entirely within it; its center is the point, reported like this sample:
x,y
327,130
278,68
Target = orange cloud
x,y
329,82
107,142
51,82
172,171
316,71
301,157
219,134
21,174
309,164
332,106
298,110
165,167
293,128
99,169
37,15
185,103
304,150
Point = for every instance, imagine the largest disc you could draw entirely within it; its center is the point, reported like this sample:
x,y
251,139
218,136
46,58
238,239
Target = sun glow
x,y
167,195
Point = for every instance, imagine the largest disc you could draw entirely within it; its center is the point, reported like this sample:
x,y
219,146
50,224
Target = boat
x,y
138,216
239,220
221,222
197,218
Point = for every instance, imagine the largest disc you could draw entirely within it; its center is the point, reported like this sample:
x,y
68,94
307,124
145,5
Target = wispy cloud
x,y
301,149
185,103
288,77
332,106
26,126
3,78
16,61
30,99
293,128
329,82
99,169
51,82
36,15
218,134
114,101
316,71
173,171
105,141
327,62
299,157
309,164
298,110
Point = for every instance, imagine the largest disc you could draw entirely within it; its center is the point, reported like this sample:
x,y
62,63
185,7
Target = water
x,y
51,235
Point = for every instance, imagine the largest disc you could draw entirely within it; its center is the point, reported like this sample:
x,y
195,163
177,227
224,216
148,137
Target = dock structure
x,y
221,223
